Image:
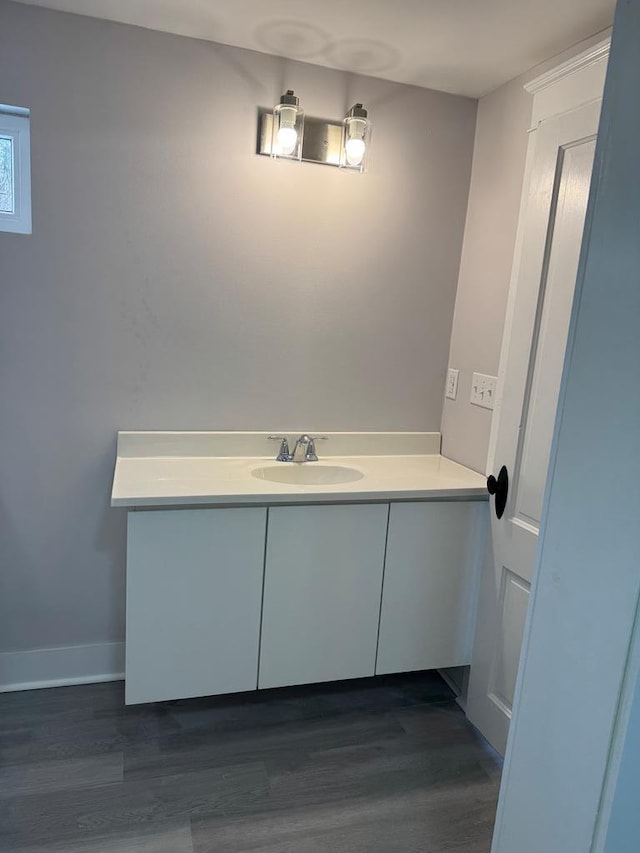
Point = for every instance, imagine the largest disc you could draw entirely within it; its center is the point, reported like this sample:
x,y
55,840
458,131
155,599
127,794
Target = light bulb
x,y
287,139
355,149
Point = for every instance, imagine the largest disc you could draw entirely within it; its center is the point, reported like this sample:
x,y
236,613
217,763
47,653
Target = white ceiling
x,y
467,47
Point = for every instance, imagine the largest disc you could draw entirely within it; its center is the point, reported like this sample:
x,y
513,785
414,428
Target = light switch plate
x,y
451,390
483,390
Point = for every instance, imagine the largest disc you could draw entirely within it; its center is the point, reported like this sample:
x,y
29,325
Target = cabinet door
x,y
430,584
194,584
323,581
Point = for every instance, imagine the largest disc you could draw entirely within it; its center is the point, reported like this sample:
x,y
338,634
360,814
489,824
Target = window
x,y
15,171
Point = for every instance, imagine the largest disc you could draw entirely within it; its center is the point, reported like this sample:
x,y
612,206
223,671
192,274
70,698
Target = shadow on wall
x,y
302,41
298,41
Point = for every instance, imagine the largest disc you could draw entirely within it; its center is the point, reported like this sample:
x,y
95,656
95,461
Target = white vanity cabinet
x,y
222,600
322,587
430,585
194,587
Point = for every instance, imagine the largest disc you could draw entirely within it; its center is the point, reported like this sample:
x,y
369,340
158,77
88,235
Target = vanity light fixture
x,y
287,131
356,139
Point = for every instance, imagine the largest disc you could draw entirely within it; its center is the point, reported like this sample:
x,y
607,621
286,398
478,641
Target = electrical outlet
x,y
483,390
451,390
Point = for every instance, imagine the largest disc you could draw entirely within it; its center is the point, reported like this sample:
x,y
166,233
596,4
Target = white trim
x,y
459,690
511,304
570,85
451,684
38,668
596,53
15,125
10,110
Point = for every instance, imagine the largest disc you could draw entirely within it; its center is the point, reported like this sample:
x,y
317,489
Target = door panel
x,y
514,598
541,398
530,373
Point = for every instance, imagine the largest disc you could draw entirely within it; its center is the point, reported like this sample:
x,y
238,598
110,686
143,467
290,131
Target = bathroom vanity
x,y
238,581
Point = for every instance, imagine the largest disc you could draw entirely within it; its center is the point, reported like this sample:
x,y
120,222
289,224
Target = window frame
x,y
15,123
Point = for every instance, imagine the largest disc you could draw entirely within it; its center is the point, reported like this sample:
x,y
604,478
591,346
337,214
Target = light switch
x,y
451,389
483,390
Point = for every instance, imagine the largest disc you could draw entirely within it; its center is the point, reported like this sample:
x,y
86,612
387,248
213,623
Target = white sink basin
x,y
307,473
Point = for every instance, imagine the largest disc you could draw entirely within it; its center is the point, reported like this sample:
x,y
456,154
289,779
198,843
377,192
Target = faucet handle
x,y
311,455
283,455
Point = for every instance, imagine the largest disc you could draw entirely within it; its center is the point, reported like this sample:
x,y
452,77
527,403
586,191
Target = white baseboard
x,y
458,680
40,668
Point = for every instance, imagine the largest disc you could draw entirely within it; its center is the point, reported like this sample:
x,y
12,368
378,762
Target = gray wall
x,y
499,156
485,268
174,280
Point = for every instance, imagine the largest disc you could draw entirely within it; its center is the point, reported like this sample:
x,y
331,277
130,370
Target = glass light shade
x,y
356,140
288,128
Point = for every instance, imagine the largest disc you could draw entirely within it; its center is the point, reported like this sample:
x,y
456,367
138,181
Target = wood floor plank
x,y
15,744
277,744
50,776
28,706
438,724
108,809
155,840
370,772
140,722
457,818
63,739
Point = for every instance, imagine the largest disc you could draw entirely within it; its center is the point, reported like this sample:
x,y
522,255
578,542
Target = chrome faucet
x,y
301,450
304,450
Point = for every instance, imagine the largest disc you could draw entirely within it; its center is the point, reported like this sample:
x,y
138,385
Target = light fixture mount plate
x,y
321,143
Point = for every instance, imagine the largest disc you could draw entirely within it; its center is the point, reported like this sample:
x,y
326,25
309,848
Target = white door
x,y
530,373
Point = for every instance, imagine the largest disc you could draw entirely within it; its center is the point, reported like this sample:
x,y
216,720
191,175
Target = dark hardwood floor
x,y
359,767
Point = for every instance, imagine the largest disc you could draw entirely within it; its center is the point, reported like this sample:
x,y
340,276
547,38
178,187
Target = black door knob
x,y
500,488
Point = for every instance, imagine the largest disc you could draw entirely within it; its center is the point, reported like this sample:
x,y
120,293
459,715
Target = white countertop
x,y
173,469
